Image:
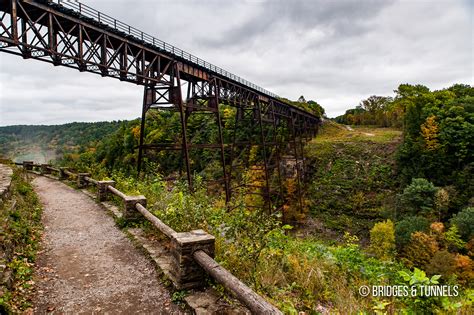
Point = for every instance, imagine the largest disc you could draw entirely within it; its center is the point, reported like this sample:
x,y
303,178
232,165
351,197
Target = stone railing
x,y
192,251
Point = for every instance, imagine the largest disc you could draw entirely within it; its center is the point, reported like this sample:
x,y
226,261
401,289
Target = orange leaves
x,y
437,227
421,249
464,268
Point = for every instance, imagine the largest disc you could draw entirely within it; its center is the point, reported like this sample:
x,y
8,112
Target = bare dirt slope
x,y
87,265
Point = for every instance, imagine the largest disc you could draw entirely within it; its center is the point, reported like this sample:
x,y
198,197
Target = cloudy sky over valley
x,y
334,52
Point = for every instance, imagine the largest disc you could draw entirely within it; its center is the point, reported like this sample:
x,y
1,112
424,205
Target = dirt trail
x,y
87,265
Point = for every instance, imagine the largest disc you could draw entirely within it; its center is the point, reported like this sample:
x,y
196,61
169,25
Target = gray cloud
x,y
345,18
335,52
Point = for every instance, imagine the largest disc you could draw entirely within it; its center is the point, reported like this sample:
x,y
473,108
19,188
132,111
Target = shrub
x,y
464,269
437,230
464,220
453,239
407,226
421,249
382,240
442,263
419,197
470,247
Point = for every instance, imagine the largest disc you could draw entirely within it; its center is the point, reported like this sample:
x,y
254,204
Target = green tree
x,y
419,197
453,239
464,221
404,228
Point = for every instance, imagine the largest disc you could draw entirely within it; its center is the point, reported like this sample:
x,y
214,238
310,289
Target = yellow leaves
x,y
429,131
253,154
74,157
255,177
136,132
382,240
291,186
228,113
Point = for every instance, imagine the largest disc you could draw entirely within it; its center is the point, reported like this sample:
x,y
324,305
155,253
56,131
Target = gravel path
x,y
87,265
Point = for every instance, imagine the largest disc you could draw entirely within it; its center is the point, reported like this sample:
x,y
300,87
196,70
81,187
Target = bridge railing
x,y
192,251
88,12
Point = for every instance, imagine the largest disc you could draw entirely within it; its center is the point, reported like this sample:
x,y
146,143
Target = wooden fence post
x,y
187,273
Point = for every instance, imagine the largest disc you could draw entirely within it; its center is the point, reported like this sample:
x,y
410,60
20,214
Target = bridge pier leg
x,y
215,100
142,130
178,100
14,25
267,197
298,168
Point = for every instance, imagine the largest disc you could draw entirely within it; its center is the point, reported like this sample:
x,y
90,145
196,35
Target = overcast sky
x,y
334,52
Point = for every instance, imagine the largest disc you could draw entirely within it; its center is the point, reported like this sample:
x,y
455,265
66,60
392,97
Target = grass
x,y
20,233
333,132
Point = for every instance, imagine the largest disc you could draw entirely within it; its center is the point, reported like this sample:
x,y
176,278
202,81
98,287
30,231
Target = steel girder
x,y
36,30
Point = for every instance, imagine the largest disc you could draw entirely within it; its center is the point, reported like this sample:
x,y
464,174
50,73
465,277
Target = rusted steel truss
x,y
50,32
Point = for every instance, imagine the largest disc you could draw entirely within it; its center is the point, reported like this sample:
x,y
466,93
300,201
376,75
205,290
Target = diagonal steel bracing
x,y
71,34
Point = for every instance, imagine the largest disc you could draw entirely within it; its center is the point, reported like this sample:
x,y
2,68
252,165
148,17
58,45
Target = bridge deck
x,y
69,14
87,40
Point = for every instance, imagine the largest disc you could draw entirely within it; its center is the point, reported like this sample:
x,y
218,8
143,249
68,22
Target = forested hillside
x,y
353,178
43,143
438,138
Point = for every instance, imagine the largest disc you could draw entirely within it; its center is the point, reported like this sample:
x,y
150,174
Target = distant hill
x,y
42,143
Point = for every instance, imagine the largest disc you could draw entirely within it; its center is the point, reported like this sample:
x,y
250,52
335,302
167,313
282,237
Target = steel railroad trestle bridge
x,y
71,34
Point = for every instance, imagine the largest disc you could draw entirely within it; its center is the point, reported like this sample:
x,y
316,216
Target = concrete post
x,y
81,180
187,273
62,174
102,189
28,165
130,213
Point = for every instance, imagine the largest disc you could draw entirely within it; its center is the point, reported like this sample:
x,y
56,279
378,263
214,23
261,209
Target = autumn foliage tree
x,y
420,250
382,240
